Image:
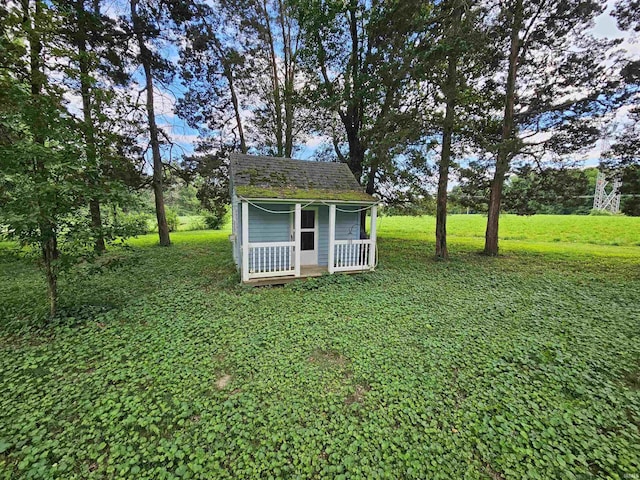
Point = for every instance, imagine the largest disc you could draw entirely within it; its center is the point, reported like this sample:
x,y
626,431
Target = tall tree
x,y
336,47
514,18
290,35
455,64
146,22
239,62
33,20
450,94
271,47
246,52
263,26
554,76
85,92
367,75
212,67
94,48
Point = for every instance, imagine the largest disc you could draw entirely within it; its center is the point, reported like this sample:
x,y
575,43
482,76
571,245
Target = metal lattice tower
x,y
604,199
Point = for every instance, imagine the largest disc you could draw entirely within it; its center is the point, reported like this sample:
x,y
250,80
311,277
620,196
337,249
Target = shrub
x,y
196,223
172,219
214,221
631,206
131,224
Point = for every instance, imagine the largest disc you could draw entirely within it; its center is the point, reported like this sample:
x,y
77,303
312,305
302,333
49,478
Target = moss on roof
x,y
255,176
303,194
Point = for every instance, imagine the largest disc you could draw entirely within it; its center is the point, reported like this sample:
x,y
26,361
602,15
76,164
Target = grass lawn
x,y
162,366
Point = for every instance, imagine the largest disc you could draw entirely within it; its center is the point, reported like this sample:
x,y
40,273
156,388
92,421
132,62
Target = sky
x,y
185,137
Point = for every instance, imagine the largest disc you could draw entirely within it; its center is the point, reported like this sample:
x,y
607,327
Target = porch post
x,y
234,231
372,254
245,241
297,225
332,236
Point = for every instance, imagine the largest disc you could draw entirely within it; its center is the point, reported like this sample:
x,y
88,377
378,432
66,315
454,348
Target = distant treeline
x,y
527,192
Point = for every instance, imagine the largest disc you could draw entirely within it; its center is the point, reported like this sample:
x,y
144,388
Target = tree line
x,y
410,95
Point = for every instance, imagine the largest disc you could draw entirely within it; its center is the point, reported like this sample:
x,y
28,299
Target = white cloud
x,y
606,27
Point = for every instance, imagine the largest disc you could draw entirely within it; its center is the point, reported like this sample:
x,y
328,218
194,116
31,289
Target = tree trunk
x,y
505,150
370,189
289,77
356,151
48,235
50,255
96,225
351,118
288,120
157,181
450,90
89,132
443,179
236,108
277,100
495,199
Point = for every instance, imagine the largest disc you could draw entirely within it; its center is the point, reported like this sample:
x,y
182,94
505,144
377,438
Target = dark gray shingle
x,y
285,176
277,173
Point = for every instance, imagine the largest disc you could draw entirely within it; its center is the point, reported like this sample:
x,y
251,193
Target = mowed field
x,y
538,229
161,365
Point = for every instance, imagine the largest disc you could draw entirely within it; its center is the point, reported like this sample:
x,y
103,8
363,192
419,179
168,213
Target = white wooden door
x,y
309,237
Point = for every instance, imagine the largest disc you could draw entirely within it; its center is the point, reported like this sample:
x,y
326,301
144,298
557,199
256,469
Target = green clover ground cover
x,y
526,366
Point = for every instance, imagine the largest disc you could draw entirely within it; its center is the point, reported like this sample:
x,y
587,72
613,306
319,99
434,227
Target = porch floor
x,y
306,271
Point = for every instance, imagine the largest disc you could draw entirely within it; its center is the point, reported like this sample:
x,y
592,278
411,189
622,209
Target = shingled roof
x,y
257,176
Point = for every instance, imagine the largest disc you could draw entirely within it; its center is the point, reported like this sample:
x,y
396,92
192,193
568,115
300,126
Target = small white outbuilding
x,y
298,218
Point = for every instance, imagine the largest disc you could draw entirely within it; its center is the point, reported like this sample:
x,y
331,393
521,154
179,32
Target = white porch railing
x,y
271,259
352,255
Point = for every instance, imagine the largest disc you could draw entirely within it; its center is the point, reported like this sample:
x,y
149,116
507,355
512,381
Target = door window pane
x,y
307,241
308,218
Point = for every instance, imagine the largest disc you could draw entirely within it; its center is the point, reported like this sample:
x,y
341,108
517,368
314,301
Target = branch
x,y
524,43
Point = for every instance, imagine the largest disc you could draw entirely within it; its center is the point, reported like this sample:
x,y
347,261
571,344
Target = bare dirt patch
x,y
223,381
632,379
492,473
328,358
358,395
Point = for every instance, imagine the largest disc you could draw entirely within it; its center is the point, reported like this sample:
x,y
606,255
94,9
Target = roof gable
x,y
255,176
